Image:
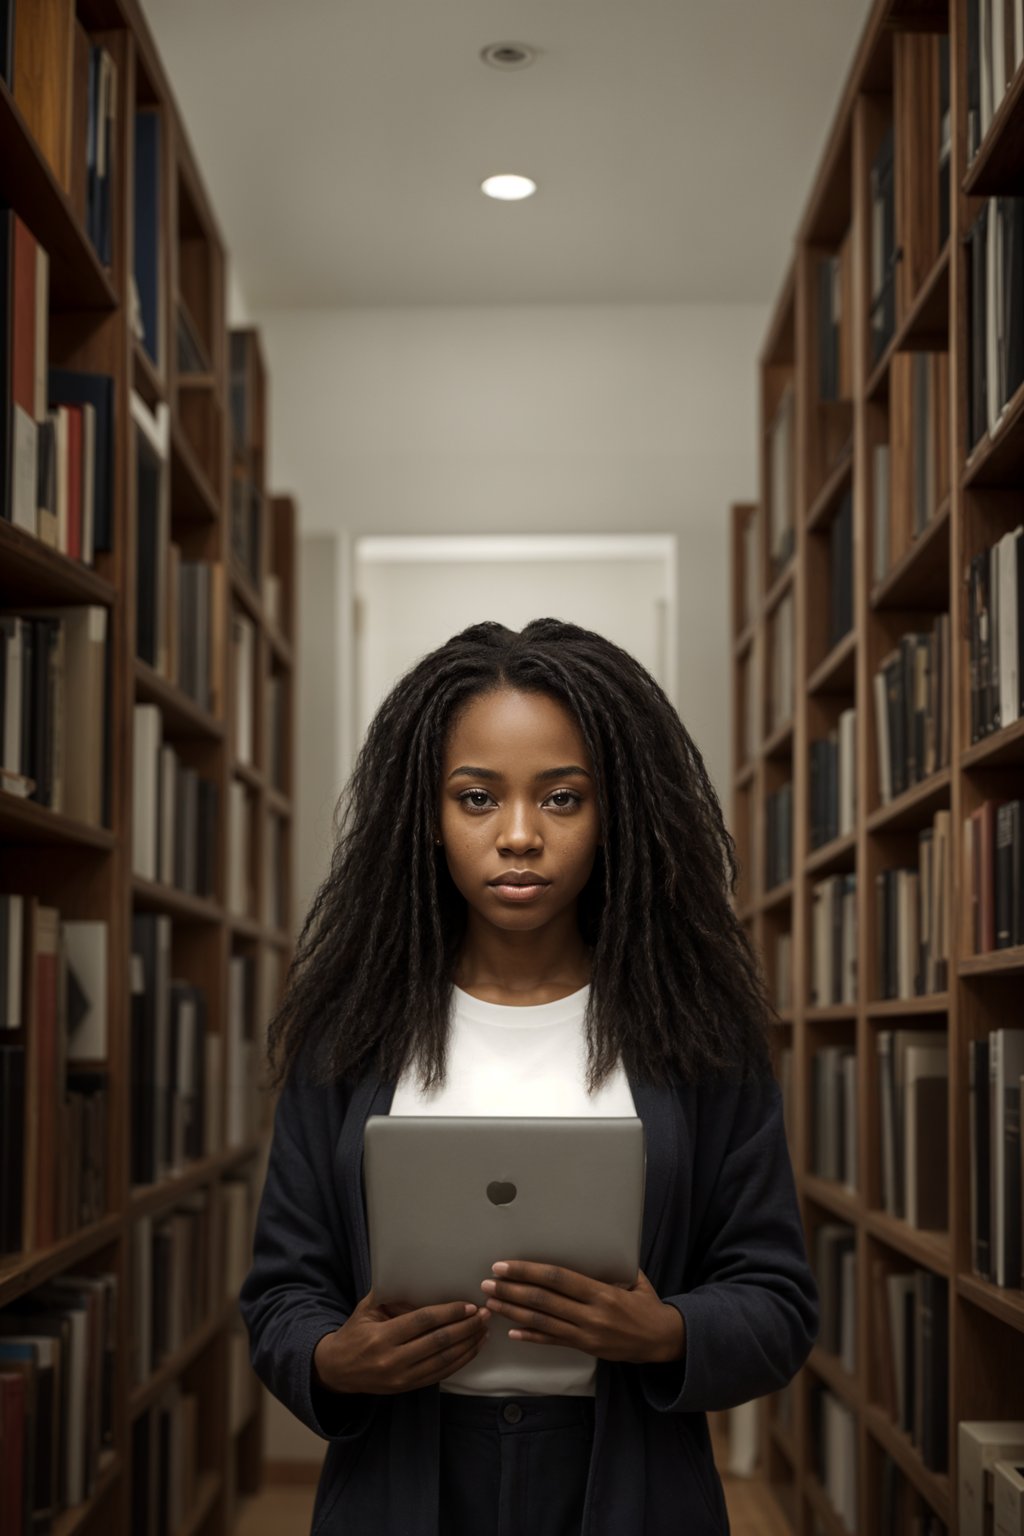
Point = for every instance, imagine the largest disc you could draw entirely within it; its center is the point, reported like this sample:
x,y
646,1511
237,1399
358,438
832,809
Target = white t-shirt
x,y
506,1060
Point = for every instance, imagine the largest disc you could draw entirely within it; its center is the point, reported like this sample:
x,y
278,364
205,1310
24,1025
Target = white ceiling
x,y
343,143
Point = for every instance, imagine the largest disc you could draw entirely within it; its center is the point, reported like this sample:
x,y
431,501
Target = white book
x,y
238,848
146,746
85,948
980,1444
880,465
1009,621
244,645
1007,1499
999,45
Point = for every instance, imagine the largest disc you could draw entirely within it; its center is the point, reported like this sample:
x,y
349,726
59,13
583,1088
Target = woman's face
x,y
518,804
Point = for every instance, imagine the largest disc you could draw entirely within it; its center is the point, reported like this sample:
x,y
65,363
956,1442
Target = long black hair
x,y
675,987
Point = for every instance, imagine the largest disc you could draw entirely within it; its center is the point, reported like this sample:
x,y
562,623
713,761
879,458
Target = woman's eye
x,y
470,798
566,798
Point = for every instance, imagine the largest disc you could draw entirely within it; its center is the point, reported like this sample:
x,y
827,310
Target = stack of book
x,y
882,313
910,1316
835,310
175,1060
995,1068
912,710
166,1453
835,1268
995,48
174,811
994,578
55,700
996,328
913,1094
834,940
912,914
833,1430
53,1174
993,877
834,1114
778,837
57,1368
833,793
172,1289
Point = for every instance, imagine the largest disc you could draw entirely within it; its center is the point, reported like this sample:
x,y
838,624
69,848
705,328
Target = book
x,y
980,1445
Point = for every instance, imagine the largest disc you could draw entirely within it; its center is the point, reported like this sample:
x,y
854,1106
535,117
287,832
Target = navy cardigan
x,y
721,1240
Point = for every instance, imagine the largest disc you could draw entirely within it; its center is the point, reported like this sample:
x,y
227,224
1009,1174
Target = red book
x,y
74,549
12,1446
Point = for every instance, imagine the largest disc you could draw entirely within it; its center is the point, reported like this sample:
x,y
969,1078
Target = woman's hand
x,y
396,1348
548,1305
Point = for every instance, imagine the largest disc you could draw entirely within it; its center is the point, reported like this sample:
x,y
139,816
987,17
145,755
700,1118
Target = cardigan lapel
x,y
655,1107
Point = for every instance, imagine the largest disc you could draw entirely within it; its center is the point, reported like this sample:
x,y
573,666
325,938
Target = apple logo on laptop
x,y
500,1194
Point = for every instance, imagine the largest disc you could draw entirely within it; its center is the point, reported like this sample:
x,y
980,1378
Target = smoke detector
x,y
508,55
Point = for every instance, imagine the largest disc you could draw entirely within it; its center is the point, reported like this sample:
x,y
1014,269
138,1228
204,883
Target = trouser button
x,y
511,1413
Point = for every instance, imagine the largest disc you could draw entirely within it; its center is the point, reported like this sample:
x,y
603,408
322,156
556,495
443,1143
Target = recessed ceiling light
x,y
507,55
509,188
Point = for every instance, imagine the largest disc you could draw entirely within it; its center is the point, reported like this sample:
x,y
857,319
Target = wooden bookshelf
x,y
87,870
892,85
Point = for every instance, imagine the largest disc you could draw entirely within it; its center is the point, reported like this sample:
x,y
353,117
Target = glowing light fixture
x,y
509,188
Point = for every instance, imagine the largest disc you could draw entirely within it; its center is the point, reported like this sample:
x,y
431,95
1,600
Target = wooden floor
x,y
752,1511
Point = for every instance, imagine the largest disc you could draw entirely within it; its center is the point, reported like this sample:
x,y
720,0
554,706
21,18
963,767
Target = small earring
x,y
437,840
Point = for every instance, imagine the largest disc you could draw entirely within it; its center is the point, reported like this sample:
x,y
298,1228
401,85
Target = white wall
x,y
582,419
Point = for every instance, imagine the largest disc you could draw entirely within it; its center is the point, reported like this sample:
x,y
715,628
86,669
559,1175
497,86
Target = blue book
x,y
147,228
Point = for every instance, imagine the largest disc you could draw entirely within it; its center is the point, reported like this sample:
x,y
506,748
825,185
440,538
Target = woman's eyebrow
x,y
569,770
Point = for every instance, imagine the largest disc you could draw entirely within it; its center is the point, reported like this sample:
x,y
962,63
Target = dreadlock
x,y
675,987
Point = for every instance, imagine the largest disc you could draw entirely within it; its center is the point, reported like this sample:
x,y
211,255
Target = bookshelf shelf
x,y
25,821
73,1520
23,1272
153,896
1000,962
838,854
778,896
1000,1302
915,807
780,742
210,1484
873,333
827,498
932,1250
932,1486
172,1080
997,165
745,776
998,460
835,1376
182,715
904,1007
77,280
835,674
1004,748
832,1197
171,1368
822,1508
921,575
32,572
193,495
779,587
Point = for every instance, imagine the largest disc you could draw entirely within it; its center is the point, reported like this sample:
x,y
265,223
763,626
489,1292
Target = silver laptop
x,y
446,1196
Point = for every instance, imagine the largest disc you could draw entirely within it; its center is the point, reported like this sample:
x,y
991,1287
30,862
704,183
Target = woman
x,y
528,913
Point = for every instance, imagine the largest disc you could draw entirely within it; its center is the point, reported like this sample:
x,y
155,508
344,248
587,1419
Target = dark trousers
x,y
514,1466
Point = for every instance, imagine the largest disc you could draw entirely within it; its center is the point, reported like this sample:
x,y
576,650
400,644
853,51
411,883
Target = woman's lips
x,y
519,892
